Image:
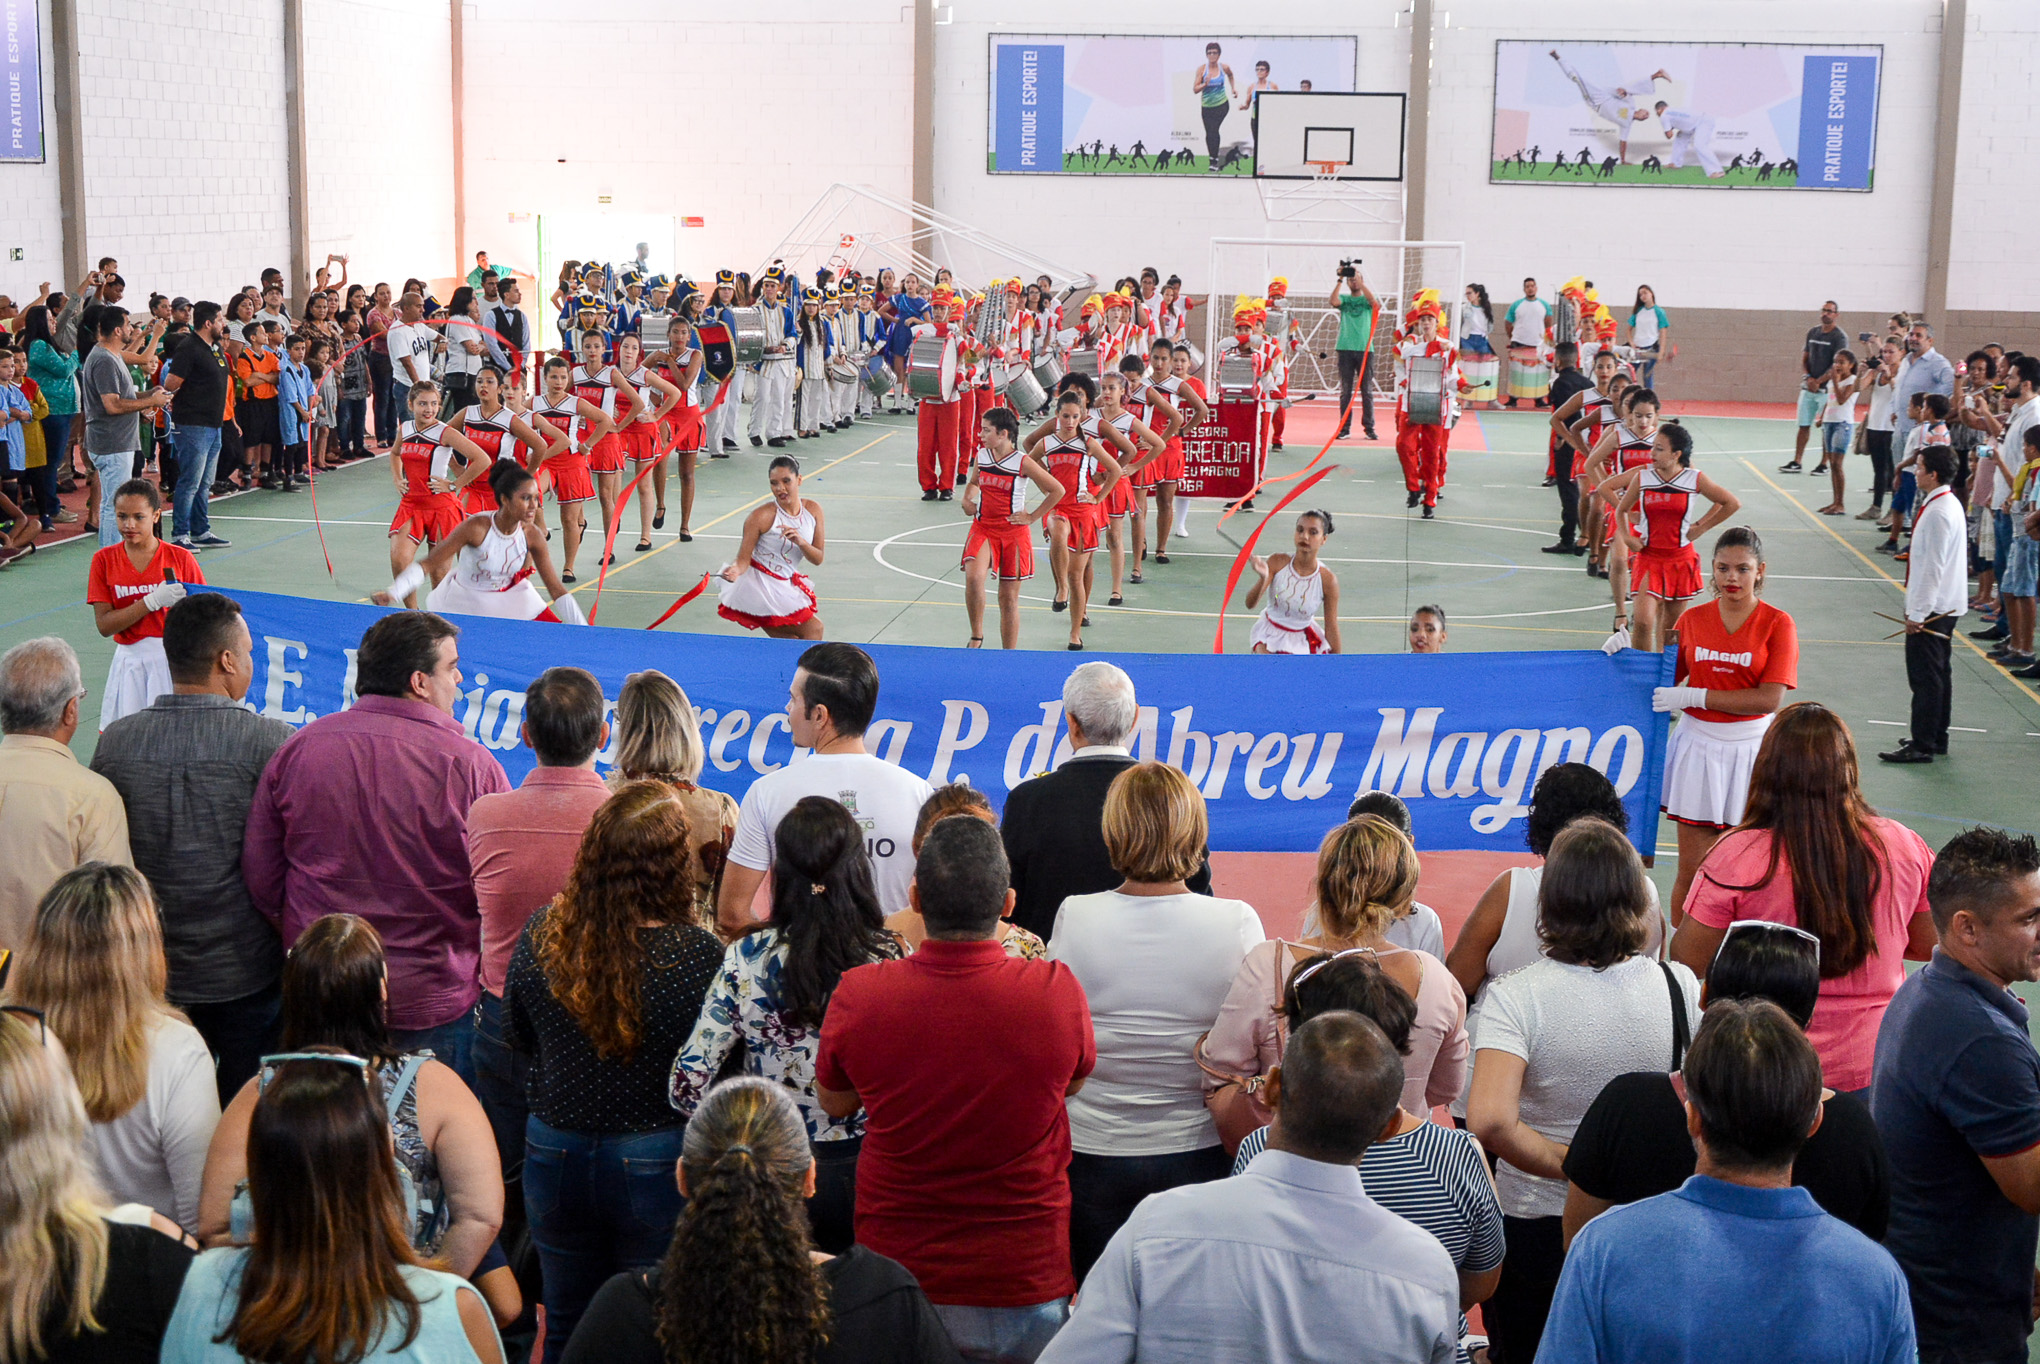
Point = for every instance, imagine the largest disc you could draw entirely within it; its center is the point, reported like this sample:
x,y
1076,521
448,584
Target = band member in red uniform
x,y
1664,568
1738,656
1420,446
604,386
497,428
582,423
1287,337
937,418
1072,458
428,501
1000,537
131,585
679,364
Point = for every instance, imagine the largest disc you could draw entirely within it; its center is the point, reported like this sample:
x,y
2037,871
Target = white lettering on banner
x,y
471,707
347,693
1399,753
759,736
1181,736
1507,791
1467,763
964,725
1319,784
888,739
1030,753
281,676
1632,757
502,719
731,727
1223,746
1268,753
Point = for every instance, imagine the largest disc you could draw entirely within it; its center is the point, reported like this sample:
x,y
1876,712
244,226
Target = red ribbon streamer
x,y
312,485
609,537
1247,551
1345,414
685,597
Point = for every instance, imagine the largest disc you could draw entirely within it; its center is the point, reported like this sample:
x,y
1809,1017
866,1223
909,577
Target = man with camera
x,y
1357,306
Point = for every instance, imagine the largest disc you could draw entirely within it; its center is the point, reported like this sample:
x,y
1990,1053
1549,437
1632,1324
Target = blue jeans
x,y
599,1204
1003,1335
57,454
1835,437
1646,369
1104,1191
198,455
1902,496
451,1044
500,1083
2001,527
349,427
114,470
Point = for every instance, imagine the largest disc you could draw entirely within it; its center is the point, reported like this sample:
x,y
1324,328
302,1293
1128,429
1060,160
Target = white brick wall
x,y
378,134
741,115
30,212
1997,191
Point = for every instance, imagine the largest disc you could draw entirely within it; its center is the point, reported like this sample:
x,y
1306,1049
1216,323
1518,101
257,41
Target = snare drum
x,y
931,368
747,333
878,378
1088,362
1236,374
1048,370
842,371
1425,386
1022,391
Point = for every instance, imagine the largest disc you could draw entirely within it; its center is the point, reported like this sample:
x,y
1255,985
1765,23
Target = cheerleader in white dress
x,y
1297,587
486,565
766,591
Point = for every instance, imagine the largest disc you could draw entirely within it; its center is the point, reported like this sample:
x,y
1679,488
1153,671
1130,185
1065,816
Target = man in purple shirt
x,y
365,812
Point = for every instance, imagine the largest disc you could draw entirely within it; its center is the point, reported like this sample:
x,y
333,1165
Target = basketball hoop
x,y
1327,171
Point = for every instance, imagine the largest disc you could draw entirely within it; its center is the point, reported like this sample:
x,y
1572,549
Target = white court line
x,y
1895,724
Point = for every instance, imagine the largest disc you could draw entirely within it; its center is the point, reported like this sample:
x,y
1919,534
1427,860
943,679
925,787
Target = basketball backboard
x,y
1303,136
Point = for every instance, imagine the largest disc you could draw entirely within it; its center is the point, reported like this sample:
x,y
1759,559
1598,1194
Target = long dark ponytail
x,y
739,1283
824,905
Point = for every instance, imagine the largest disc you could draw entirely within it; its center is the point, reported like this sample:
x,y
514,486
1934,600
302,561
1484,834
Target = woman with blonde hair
x,y
659,739
604,988
741,1280
1155,961
95,969
75,1283
1366,880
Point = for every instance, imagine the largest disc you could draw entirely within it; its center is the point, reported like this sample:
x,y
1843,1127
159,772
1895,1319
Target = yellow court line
x,y
619,569
1874,567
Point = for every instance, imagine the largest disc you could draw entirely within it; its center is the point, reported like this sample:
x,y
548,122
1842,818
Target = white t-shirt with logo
x,y
885,799
415,340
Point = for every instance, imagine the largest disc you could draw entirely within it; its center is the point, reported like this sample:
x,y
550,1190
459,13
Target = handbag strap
x,y
1682,1037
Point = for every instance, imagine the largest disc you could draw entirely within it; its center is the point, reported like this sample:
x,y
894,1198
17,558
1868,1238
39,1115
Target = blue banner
x,y
1837,122
1029,113
21,119
1279,746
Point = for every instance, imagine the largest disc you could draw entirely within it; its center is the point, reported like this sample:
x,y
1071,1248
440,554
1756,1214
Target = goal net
x,y
1396,272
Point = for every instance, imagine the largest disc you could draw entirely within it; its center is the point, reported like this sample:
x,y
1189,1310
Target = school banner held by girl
x,y
1279,745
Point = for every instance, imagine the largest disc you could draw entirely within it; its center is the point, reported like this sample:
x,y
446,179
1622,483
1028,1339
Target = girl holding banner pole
x,y
485,567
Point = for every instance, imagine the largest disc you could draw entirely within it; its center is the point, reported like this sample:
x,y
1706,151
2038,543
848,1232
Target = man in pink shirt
x,y
522,845
365,812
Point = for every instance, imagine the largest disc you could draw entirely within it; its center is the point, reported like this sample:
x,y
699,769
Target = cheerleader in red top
x,y
1663,566
428,491
766,589
1113,505
679,365
937,420
486,566
1576,426
657,397
498,429
606,388
1422,447
582,423
1120,329
1137,445
1072,458
1738,656
1626,442
1150,405
131,585
999,530
1183,394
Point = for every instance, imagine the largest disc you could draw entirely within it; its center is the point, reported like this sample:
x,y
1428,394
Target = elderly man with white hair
x,y
1052,824
55,814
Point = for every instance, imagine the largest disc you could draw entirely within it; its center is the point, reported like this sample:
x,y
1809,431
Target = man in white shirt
x,y
829,705
1290,1260
1692,137
410,345
1529,374
509,335
273,311
1936,595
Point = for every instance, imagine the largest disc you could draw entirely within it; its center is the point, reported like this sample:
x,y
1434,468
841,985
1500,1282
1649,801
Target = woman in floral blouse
x,y
769,998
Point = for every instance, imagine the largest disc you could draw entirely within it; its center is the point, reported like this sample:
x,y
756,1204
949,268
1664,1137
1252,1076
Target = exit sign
x,y
694,222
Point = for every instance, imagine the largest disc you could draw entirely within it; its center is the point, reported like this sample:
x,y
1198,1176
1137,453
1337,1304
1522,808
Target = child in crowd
x,y
326,382
296,396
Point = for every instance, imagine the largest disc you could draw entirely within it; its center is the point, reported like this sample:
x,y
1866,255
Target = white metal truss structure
x,y
863,228
1323,201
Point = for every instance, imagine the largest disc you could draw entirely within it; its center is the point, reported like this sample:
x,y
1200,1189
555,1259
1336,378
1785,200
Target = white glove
x,y
1663,699
163,596
1616,642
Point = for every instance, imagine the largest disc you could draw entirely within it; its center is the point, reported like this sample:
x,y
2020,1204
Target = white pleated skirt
x,y
1707,769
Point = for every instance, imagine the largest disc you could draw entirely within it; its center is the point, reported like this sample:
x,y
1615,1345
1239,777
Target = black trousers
x,y
1104,1191
1929,673
1568,499
1356,366
1214,118
238,1032
1878,444
832,1212
1522,1300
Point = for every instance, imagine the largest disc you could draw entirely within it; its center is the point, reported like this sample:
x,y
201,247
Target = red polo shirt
x,y
961,1055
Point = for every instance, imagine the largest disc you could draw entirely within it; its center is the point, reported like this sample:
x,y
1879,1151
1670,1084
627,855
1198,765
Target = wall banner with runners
x,y
1713,115
1280,746
1107,104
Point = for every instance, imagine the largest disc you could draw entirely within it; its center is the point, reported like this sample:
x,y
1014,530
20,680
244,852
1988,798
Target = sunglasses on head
x,y
1321,963
1769,926
42,1022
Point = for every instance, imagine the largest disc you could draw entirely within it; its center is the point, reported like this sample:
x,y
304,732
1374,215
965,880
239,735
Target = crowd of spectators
x,y
325,1044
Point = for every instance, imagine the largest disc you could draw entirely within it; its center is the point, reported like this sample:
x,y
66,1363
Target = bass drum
x,y
1426,389
931,368
1023,391
748,334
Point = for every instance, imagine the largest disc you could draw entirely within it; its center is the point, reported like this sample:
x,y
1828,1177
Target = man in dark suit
x,y
1052,825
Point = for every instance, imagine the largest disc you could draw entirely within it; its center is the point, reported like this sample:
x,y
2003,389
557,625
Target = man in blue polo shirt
x,y
1694,1275
1956,1095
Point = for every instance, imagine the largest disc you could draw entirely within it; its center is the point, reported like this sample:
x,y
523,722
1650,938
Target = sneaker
x,y
1794,467
2029,671
755,440
186,543
67,517
1871,513
1414,498
211,541
928,495
2011,660
1817,469
1430,512
1994,632
947,495
729,444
